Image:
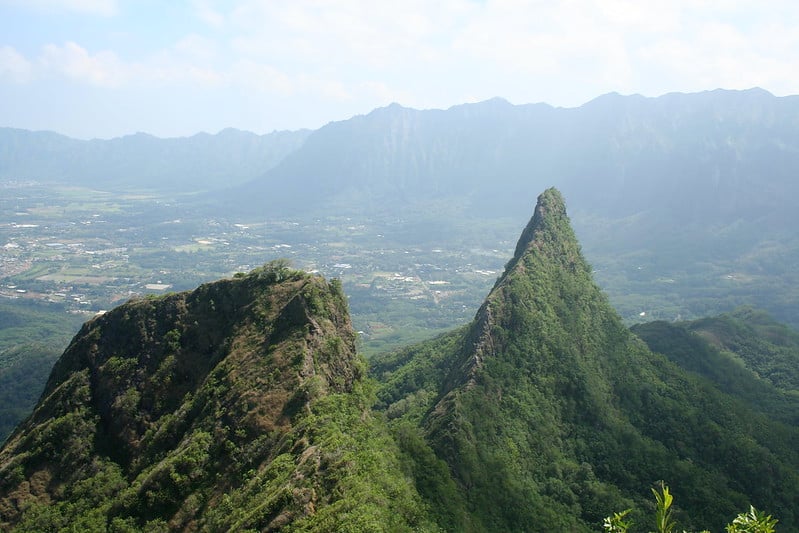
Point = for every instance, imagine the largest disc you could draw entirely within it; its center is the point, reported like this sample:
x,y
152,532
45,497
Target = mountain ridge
x,y
139,161
526,123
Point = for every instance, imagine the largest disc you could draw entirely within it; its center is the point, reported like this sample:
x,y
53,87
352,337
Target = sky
x,y
107,68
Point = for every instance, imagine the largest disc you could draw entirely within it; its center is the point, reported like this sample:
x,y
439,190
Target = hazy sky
x,y
104,68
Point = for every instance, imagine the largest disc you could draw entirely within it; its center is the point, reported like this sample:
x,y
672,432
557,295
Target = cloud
x,y
185,64
14,66
206,13
260,77
352,55
196,48
103,69
574,50
356,33
431,53
94,7
737,50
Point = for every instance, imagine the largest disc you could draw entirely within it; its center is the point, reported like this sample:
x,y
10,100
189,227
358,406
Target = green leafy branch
x,y
753,521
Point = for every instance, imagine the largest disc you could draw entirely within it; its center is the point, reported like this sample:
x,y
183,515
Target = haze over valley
x,y
684,205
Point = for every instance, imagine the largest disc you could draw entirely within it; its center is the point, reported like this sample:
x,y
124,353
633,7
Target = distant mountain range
x,y
706,158
714,156
141,161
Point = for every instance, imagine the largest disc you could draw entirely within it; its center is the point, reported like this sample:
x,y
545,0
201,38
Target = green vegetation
x,y
24,322
766,347
744,353
753,521
242,405
23,372
548,412
32,336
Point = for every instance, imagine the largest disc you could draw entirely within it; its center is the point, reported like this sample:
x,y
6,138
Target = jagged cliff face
x,y
202,411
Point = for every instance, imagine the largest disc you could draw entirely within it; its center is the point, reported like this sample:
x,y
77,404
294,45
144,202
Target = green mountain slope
x,y
32,336
548,413
240,405
768,348
745,353
23,370
243,406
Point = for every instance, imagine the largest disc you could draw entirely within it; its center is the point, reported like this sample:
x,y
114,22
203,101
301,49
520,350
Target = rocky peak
x,y
549,230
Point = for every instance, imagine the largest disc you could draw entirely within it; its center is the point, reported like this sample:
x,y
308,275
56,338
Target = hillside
x,y
769,349
745,353
545,412
242,405
239,405
32,336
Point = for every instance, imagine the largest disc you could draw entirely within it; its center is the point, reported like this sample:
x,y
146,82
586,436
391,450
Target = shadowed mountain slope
x,y
745,353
